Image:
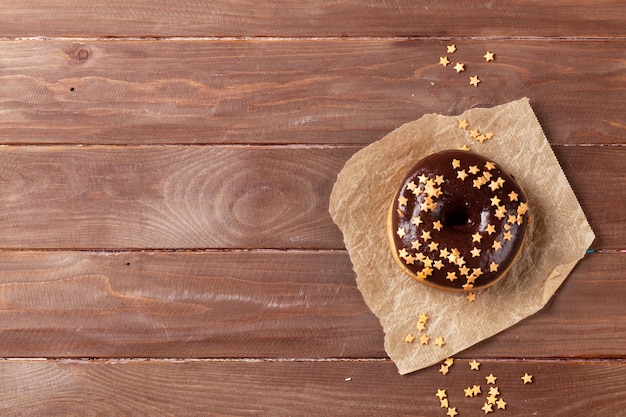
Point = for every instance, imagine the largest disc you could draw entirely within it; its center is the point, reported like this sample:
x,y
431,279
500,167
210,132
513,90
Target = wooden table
x,y
165,171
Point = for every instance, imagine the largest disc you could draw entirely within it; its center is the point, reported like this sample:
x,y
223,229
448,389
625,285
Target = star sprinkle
x,y
496,245
401,232
474,365
441,394
476,237
513,196
489,165
489,56
490,229
451,49
469,392
473,169
507,235
423,318
444,403
461,175
409,338
487,408
444,369
476,389
416,221
473,80
501,404
471,297
458,67
451,412
463,124
402,201
493,267
475,252
449,361
528,379
443,60
424,339
495,201
439,341
494,391
456,163
437,225
491,379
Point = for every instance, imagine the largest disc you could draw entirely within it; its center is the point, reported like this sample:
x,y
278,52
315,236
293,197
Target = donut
x,y
457,222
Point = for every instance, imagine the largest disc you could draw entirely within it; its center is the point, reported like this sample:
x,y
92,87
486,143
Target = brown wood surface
x,y
159,18
165,169
298,91
252,388
163,197
259,304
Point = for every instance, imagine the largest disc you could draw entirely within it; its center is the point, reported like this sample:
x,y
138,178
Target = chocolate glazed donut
x,y
457,222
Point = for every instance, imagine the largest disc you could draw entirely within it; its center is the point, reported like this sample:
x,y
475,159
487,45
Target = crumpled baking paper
x,y
558,238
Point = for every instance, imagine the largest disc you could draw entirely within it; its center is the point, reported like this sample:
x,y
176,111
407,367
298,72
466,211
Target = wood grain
x,y
370,388
182,197
297,91
259,305
162,18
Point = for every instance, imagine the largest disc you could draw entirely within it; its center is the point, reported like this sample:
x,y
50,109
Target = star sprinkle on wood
x,y
474,80
487,408
441,394
474,365
451,49
528,379
449,361
444,369
459,67
491,379
443,60
451,412
501,404
489,56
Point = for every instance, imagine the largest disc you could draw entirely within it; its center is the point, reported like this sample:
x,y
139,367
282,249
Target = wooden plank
x,y
259,305
297,91
160,18
141,388
188,197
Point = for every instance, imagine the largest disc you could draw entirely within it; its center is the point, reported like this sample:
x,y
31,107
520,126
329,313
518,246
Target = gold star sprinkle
x,y
461,174
494,391
439,179
469,392
475,252
423,318
487,408
401,232
433,246
409,338
441,394
474,80
451,412
444,369
415,244
402,201
476,237
410,260
473,169
451,48
477,272
443,253
451,276
439,341
416,221
513,196
424,339
476,389
464,148
463,124
456,163
402,253
444,403
463,270
411,186
491,399
490,229
459,67
522,208
496,245
491,379
528,379
500,212
420,326
474,365
507,235
488,56
495,201
481,138
488,135
438,264
422,179
489,165
425,236
437,225
474,134
501,404
443,60
449,361
493,267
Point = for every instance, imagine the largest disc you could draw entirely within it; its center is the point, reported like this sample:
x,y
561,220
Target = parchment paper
x,y
559,234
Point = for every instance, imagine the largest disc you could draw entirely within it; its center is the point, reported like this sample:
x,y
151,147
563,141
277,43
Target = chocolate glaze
x,y
465,210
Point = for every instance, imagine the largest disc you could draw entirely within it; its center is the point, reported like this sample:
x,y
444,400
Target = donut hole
x,y
457,218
